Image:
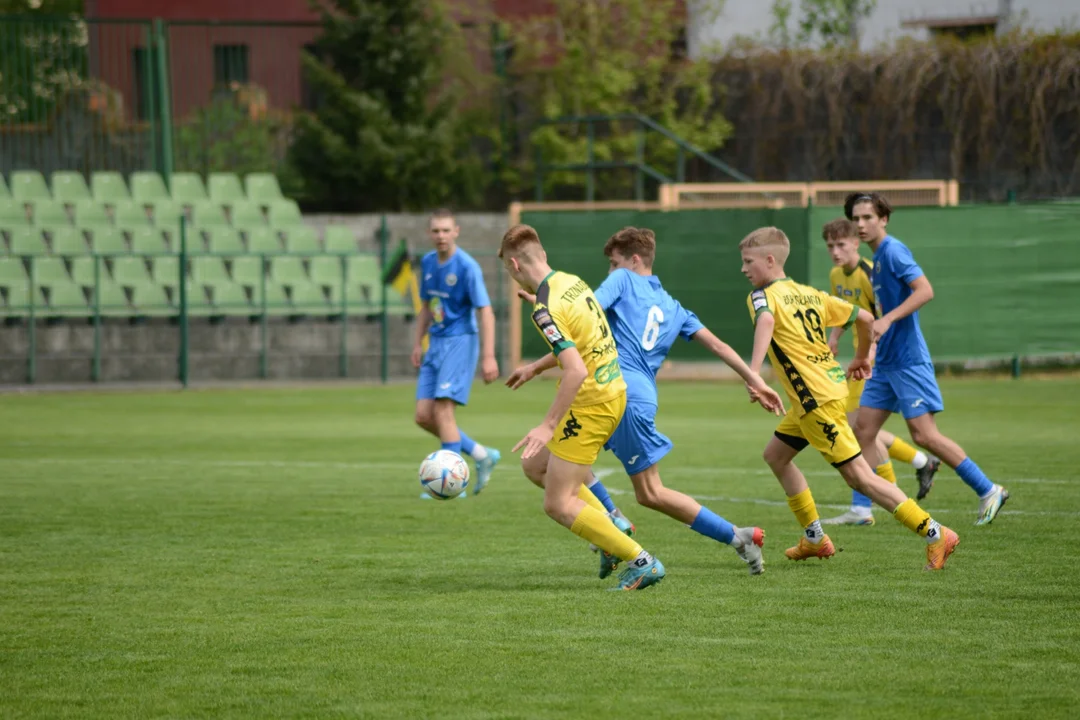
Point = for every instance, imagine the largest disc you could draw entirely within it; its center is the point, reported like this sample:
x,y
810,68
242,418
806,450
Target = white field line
x,y
600,472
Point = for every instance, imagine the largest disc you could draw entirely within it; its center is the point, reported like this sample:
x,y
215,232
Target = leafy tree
x,y
43,57
387,131
607,57
824,23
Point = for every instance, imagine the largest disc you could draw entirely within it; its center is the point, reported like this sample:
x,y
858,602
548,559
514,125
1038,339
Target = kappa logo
x,y
632,460
571,428
919,529
830,432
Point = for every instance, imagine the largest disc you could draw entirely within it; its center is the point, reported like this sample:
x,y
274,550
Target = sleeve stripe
x,y
560,346
854,315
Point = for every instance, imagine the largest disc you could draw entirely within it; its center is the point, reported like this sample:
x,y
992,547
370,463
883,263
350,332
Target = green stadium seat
x,y
339,239
128,213
230,298
165,270
50,213
69,187
326,270
187,188
49,271
130,271
288,271
248,270
225,240
107,241
148,187
277,299
89,212
262,188
68,241
309,299
14,285
263,240
302,239
4,192
208,214
150,299
27,241
13,213
166,215
65,299
147,240
209,271
245,215
29,186
198,300
364,272
82,270
109,187
225,188
114,300
285,213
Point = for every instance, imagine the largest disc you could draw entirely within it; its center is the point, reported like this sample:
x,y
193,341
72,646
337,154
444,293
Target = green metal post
x,y
590,182
183,360
31,360
499,62
639,183
809,215
680,164
264,334
164,101
95,368
1016,366
343,355
150,97
384,361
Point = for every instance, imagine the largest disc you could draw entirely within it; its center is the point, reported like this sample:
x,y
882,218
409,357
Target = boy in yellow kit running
x,y
849,280
589,402
791,321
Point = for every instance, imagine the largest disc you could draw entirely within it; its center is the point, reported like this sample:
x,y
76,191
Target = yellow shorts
x,y
854,393
581,434
826,429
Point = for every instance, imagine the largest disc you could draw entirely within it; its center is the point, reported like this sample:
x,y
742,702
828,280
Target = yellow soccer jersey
x,y
567,315
855,288
799,350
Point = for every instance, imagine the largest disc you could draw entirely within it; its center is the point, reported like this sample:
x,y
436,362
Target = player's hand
x,y
880,327
834,346
860,369
769,399
417,356
526,296
489,366
535,441
522,375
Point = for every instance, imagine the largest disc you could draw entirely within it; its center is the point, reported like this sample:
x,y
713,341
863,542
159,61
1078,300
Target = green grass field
x,y
264,553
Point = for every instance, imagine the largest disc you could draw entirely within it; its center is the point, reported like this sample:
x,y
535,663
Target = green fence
x,y
1006,278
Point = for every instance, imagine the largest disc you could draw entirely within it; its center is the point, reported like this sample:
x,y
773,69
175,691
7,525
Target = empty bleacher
x,y
110,247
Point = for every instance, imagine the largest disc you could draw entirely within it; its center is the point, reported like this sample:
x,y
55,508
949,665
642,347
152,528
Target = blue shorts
x,y
636,442
910,391
448,368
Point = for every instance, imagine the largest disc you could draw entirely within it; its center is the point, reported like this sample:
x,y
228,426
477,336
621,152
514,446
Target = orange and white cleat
x,y
806,549
938,552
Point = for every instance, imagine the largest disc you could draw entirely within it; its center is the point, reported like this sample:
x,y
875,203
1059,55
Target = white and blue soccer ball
x,y
444,474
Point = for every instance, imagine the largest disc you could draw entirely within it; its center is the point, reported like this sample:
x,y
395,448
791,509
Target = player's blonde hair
x,y
771,240
520,241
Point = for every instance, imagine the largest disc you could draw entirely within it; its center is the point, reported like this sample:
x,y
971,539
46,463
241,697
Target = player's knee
x,y
425,418
923,437
534,471
556,509
648,495
771,457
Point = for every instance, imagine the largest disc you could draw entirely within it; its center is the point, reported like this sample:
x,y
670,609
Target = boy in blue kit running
x,y
452,288
645,322
903,379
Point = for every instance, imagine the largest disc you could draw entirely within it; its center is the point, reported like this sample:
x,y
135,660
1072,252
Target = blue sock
x,y
971,474
601,493
713,526
467,443
860,500
455,446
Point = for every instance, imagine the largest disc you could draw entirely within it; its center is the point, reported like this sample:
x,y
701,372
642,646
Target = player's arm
x,y
489,366
864,325
423,322
525,373
770,400
574,374
834,340
922,292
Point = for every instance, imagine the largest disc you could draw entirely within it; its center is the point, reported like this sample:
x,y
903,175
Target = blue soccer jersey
x,y
894,270
452,291
645,322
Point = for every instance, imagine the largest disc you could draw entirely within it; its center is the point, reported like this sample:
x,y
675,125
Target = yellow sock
x,y
586,494
885,471
900,450
913,517
597,528
804,508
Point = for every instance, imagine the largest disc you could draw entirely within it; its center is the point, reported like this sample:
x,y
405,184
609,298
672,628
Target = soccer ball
x,y
444,474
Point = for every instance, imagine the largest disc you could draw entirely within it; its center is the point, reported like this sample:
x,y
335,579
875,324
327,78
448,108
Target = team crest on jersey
x,y
451,280
552,334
